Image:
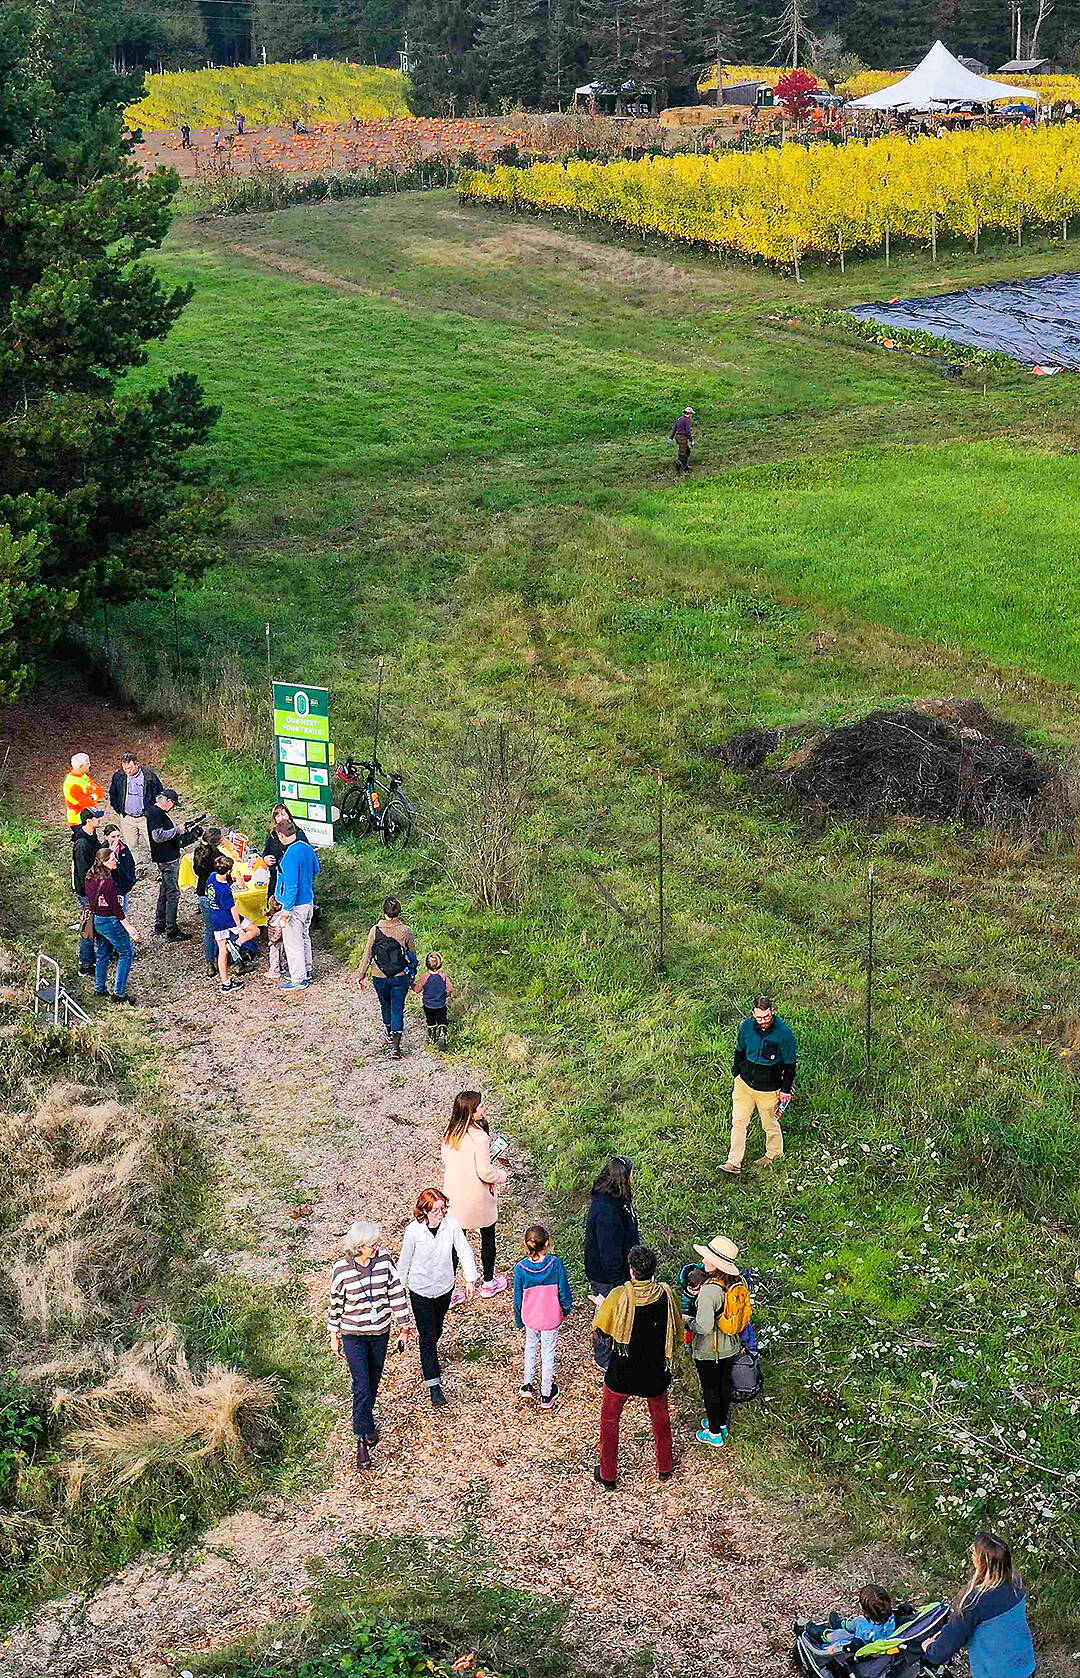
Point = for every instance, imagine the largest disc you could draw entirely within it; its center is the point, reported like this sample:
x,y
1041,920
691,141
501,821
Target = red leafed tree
x,y
796,90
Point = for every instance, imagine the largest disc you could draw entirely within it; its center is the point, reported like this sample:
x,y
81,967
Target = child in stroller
x,y
894,1649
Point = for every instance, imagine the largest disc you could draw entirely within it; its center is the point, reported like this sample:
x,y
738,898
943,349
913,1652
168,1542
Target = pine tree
x,y
563,55
97,498
507,52
444,69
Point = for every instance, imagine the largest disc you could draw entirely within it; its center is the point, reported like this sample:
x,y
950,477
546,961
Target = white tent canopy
x,y
938,80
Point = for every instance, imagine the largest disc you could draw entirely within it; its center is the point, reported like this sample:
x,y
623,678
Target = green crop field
x,y
445,439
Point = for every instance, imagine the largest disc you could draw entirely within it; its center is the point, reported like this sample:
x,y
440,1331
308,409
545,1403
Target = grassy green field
x,y
445,434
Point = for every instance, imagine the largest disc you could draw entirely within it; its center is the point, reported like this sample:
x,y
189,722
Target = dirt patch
x,y
524,238
940,759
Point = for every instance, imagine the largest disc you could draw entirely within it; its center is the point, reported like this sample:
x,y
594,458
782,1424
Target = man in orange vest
x,y
81,791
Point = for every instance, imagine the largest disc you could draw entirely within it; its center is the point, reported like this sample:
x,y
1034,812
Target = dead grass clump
x,y
85,1181
154,1413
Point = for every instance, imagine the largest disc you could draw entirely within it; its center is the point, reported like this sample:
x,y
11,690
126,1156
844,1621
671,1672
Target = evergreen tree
x,y
563,55
97,498
444,69
507,52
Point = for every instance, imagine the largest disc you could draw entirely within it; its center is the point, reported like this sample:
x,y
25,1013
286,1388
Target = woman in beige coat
x,y
471,1179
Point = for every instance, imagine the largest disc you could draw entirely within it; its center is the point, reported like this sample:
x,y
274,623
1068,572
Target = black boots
x,y
437,1395
363,1455
395,1045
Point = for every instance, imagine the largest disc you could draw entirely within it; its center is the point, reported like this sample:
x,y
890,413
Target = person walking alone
x,y
390,955
112,929
296,894
611,1230
366,1299
682,435
643,1321
764,1072
471,1180
132,790
432,1250
724,1309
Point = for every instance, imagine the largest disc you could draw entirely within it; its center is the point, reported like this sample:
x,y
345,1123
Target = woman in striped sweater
x,y
366,1297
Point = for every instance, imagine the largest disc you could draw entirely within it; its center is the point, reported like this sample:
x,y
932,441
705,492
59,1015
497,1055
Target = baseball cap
x,y
88,815
171,794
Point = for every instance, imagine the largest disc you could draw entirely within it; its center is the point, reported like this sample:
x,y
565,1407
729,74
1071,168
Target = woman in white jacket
x,y
433,1246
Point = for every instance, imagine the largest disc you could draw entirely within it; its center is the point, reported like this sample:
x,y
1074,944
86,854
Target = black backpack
x,y
390,956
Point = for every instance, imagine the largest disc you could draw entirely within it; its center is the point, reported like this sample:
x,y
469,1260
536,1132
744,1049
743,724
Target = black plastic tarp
x,y
1034,321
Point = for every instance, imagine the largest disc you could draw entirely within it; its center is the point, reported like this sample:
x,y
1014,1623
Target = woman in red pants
x,y
643,1322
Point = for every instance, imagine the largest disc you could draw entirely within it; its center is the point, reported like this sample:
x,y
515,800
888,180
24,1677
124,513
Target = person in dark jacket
x,y
167,839
682,435
125,871
989,1617
764,1072
132,790
83,856
611,1230
643,1322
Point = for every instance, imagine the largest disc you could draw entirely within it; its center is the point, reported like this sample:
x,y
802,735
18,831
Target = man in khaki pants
x,y
764,1071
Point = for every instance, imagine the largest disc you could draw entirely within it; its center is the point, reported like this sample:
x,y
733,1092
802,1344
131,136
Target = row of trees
x,y
534,52
99,500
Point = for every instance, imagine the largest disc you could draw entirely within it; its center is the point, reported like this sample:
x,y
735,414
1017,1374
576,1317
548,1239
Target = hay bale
x,y
908,762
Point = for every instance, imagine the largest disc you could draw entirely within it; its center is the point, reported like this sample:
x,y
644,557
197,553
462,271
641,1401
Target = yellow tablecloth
x,y
250,898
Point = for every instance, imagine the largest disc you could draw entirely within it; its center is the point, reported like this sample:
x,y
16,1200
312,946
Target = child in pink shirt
x,y
542,1298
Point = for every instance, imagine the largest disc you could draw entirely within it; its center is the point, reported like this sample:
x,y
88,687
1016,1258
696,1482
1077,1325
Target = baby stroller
x,y
897,1656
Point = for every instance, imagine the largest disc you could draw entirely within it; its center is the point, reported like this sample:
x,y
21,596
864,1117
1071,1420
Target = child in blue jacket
x,y
542,1298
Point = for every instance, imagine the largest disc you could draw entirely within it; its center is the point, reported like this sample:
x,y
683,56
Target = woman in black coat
x,y
611,1229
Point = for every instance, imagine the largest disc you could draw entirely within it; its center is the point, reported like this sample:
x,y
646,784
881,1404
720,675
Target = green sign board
x,y
305,757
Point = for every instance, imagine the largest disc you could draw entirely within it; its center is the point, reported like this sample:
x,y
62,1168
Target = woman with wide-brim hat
x,y
724,1308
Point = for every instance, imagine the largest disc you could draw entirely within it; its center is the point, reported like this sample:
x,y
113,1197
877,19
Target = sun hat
x,y
722,1253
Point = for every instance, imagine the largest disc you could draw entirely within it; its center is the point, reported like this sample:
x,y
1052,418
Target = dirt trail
x,y
296,1093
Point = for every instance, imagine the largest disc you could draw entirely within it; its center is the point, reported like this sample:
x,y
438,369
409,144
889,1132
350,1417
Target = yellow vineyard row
x,y
270,93
783,203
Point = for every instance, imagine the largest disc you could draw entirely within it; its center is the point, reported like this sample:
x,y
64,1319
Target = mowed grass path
x,y
971,545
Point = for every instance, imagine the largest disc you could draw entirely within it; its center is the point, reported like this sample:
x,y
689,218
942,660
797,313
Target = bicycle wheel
x,y
397,823
355,811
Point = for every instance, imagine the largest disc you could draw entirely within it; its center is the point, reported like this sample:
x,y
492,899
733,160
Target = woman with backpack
x,y
611,1230
724,1310
471,1180
390,954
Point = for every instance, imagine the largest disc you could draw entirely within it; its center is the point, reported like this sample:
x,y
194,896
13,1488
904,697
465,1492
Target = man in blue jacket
x,y
296,894
764,1073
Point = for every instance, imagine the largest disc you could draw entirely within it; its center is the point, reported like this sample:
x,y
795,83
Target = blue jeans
x,y
86,945
391,994
365,1355
112,936
206,910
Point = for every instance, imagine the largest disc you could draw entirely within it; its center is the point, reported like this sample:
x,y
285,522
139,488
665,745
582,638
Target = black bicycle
x,y
370,805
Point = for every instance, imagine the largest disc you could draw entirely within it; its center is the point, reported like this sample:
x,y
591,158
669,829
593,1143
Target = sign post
x,y
304,756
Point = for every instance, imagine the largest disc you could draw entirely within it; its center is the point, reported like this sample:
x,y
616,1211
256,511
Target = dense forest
x,y
468,54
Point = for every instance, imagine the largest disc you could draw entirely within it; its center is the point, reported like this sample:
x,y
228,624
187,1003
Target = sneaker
x,y
608,1485
437,1395
490,1289
233,984
768,1159
704,1437
101,993
86,972
547,1400
527,1389
669,1475
301,984
130,1000
732,1170
178,937
458,1297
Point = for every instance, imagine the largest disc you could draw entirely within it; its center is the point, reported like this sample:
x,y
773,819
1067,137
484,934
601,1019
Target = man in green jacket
x,y
764,1072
